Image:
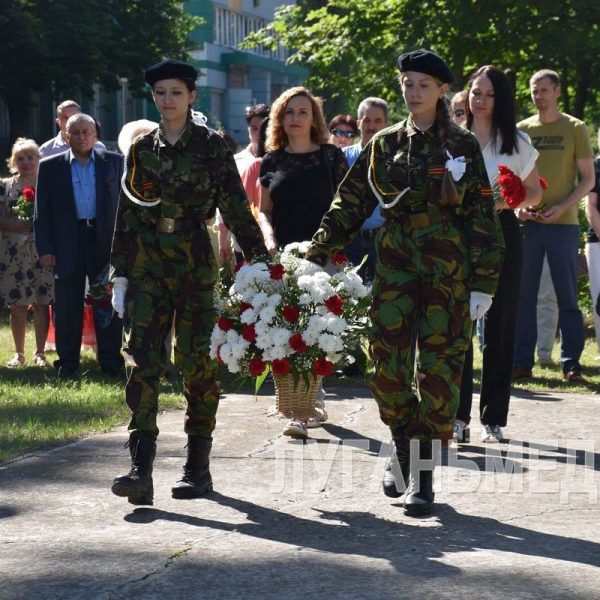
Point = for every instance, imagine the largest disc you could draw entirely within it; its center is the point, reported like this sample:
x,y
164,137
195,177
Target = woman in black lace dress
x,y
299,175
300,172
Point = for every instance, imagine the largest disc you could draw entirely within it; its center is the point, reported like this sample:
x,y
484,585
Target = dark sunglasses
x,y
343,133
459,112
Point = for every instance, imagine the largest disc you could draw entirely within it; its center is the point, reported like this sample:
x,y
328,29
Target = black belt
x,y
369,233
87,222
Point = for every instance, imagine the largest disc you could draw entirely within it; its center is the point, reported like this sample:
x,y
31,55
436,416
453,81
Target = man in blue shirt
x,y
76,205
372,117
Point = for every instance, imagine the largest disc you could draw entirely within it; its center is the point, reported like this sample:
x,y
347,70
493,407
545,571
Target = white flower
x,y
330,343
267,314
335,324
305,299
280,336
248,316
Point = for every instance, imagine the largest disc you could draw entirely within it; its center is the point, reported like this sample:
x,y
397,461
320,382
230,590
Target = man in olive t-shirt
x,y
566,163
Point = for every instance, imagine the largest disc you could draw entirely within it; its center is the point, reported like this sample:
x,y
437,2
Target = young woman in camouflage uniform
x,y
163,265
439,255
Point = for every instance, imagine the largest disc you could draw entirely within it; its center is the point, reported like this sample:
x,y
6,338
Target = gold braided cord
x,y
131,186
373,175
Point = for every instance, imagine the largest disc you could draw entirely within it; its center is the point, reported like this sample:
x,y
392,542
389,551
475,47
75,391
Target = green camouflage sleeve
x,y
483,232
351,206
131,218
234,206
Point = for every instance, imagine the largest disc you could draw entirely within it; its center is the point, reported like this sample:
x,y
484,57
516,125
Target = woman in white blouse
x,y
491,116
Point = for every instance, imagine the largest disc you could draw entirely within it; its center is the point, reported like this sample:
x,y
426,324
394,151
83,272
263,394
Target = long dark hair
x,y
504,114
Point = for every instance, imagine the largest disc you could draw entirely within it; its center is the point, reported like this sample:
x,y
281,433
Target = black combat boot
x,y
137,485
391,486
419,497
196,479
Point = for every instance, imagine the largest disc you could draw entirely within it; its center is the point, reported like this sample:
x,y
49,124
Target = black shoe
x,y
419,497
114,372
196,480
137,485
395,476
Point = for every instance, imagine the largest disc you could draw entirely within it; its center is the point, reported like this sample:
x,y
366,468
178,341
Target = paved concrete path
x,y
291,520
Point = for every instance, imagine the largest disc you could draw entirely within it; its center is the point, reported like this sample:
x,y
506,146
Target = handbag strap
x,y
328,167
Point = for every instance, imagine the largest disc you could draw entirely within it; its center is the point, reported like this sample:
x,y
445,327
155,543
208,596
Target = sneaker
x,y
461,433
575,376
519,373
491,434
296,429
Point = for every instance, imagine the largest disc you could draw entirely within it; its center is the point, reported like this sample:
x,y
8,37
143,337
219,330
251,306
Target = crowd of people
x,y
416,205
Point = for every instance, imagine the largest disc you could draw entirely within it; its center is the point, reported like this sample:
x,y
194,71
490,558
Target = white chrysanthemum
x,y
335,324
218,336
273,300
267,314
306,267
248,316
280,336
330,343
304,299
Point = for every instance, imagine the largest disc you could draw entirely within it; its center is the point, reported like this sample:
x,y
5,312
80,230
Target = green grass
x,y
37,411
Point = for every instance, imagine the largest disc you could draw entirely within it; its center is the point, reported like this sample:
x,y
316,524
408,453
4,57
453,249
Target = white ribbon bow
x,y
456,166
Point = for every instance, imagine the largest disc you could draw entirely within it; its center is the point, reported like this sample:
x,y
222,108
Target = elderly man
x,y
76,206
59,144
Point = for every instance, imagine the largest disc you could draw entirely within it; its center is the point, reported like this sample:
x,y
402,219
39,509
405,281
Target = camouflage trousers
x,y
420,327
173,280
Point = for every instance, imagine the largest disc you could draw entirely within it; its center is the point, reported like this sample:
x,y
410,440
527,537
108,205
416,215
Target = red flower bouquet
x,y
509,187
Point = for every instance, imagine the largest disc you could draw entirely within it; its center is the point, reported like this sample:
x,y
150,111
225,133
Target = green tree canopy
x,y
67,45
351,46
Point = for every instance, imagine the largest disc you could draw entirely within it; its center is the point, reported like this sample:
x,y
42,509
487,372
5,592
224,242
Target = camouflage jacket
x,y
192,178
402,161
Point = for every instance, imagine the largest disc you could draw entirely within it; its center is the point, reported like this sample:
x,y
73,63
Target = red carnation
x,y
239,265
543,183
249,333
335,304
297,343
244,306
256,366
28,193
280,366
224,323
339,259
276,271
512,189
323,366
291,313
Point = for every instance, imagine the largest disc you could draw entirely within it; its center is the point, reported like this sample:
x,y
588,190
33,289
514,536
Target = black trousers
x,y
68,311
499,337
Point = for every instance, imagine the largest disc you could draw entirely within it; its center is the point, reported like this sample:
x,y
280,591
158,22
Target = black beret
x,y
170,69
425,61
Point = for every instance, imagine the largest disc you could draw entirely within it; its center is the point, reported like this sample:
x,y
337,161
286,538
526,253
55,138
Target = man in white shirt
x,y
59,144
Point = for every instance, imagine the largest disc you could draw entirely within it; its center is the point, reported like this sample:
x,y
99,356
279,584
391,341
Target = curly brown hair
x,y
277,139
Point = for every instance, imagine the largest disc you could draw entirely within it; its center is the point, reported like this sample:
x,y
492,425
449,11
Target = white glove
x,y
119,290
479,304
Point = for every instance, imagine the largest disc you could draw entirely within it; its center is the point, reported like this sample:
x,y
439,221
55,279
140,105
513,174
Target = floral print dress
x,y
23,280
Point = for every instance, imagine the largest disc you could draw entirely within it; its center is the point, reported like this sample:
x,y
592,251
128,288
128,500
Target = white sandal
x,y
39,359
18,360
